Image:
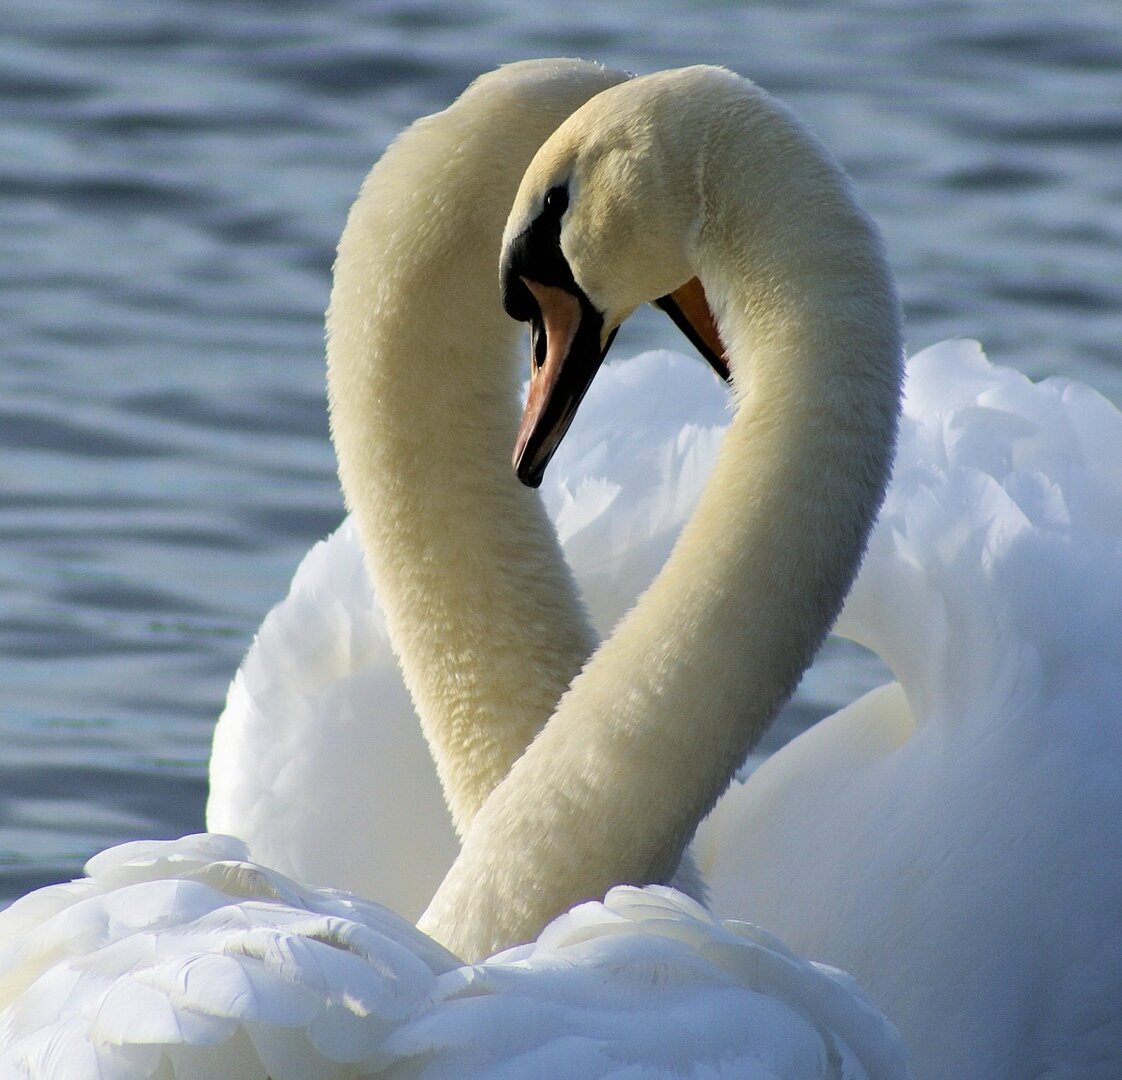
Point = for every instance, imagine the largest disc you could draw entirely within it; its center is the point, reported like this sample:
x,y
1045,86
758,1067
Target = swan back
x,y
998,482
319,737
942,837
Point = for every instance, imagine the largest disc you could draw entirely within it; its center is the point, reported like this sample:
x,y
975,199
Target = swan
x,y
186,958
487,624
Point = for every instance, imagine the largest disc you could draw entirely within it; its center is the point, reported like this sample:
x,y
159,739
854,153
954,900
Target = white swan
x,y
944,836
184,959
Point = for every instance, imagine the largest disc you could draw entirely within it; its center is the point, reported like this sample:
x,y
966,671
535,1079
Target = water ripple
x,y
175,176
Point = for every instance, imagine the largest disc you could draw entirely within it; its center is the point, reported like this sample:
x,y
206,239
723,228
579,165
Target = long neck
x,y
651,731
423,387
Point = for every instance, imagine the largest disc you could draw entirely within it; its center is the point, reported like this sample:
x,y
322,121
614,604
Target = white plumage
x,y
181,959
967,877
319,706
946,838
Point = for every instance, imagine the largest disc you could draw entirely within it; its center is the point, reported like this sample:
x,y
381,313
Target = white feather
x,y
247,974
942,838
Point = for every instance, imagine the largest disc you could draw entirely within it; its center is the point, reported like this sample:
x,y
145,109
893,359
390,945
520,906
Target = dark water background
x,y
173,177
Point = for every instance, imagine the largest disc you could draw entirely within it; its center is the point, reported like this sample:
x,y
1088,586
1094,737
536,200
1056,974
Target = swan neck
x,y
650,733
424,370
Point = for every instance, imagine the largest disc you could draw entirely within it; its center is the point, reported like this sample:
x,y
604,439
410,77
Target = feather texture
x,y
182,959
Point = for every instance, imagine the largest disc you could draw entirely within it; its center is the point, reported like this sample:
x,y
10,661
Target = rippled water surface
x,y
173,177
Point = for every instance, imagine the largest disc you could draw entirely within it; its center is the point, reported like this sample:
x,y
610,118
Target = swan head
x,y
606,219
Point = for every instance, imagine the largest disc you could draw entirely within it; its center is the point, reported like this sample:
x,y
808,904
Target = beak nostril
x,y
538,344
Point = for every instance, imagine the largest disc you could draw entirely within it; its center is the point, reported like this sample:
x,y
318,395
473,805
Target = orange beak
x,y
567,351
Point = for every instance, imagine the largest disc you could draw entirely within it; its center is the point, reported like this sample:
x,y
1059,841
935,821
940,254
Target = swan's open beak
x,y
568,345
689,308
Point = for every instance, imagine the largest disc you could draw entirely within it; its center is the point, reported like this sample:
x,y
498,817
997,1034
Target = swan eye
x,y
556,201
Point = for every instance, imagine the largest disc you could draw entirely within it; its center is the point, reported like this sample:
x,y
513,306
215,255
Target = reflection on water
x,y
175,175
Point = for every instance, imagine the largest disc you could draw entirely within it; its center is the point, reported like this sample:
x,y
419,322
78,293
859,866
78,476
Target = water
x,y
174,175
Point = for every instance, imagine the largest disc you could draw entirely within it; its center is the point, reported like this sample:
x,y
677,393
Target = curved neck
x,y
423,378
651,731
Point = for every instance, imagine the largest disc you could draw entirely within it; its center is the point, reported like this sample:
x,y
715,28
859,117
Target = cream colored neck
x,y
651,731
423,375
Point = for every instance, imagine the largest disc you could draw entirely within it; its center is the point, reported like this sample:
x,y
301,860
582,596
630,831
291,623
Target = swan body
x,y
186,959
943,837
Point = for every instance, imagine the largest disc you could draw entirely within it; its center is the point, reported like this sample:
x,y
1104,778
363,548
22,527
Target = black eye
x,y
556,201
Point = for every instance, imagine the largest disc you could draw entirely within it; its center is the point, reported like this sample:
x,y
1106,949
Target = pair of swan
x,y
271,934
937,837
186,959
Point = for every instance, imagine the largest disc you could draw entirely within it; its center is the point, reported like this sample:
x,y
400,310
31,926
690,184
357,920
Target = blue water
x,y
173,177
